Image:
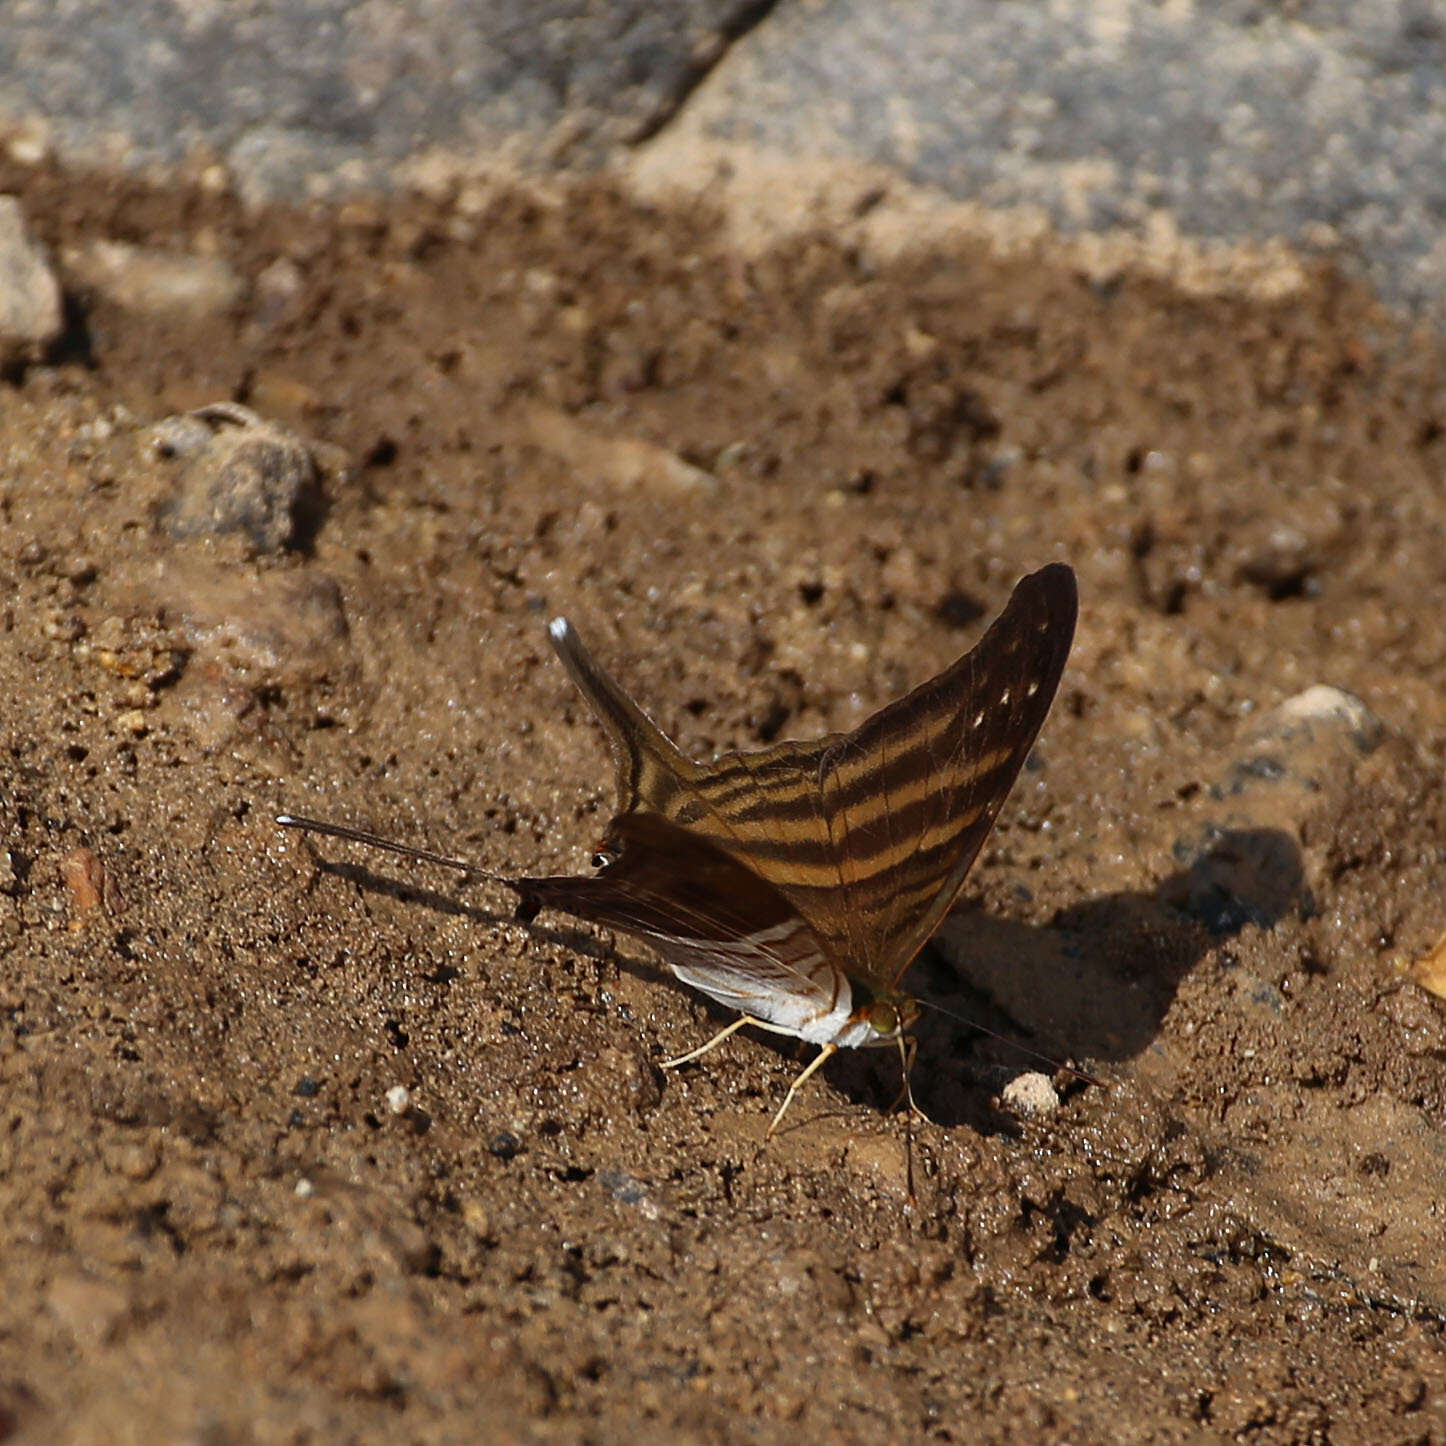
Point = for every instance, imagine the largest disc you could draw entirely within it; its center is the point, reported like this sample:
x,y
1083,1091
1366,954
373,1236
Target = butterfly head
x,y
888,1015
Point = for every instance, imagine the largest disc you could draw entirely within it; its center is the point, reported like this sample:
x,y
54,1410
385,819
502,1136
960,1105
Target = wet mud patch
x,y
302,1140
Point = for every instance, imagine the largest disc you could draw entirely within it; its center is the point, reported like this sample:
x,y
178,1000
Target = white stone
x,y
1030,1094
30,310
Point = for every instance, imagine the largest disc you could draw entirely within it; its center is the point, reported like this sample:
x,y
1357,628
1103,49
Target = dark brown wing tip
x,y
1047,601
1056,583
1058,573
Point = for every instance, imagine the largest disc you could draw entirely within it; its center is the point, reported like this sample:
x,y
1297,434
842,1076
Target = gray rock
x,y
243,475
30,309
281,626
1234,122
1242,860
314,97
1209,134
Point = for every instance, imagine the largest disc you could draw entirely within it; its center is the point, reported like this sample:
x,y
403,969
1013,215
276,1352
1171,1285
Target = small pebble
x,y
133,721
1429,971
276,289
399,1099
505,1145
611,463
63,627
91,887
1332,707
180,436
1031,1094
28,150
244,476
153,281
135,1159
305,1189
476,1218
78,569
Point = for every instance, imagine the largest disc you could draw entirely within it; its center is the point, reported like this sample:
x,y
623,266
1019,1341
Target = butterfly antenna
x,y
376,841
1053,1063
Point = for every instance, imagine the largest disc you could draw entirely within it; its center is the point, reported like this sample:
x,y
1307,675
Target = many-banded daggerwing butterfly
x,y
796,883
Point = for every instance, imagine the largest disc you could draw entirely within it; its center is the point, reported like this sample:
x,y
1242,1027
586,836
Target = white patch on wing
x,y
805,996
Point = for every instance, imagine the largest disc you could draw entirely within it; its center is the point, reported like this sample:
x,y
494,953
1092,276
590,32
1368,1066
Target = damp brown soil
x,y
302,1142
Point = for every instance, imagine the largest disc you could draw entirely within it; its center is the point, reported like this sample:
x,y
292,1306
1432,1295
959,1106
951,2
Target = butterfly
x,y
795,883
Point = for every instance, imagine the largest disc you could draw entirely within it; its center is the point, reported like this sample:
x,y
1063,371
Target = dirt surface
x,y
303,1143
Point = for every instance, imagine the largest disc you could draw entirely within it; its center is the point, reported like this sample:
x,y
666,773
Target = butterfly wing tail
x,y
651,773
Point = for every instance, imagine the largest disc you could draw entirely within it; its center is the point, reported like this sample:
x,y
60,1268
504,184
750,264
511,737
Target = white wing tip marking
x,y
558,629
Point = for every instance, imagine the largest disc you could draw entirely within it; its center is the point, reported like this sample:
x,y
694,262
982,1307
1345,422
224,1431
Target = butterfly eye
x,y
603,857
884,1017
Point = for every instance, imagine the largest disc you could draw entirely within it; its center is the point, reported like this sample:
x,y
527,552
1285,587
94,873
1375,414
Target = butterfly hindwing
x,y
650,772
722,928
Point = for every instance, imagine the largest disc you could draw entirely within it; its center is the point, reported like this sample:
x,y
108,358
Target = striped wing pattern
x,y
911,795
864,838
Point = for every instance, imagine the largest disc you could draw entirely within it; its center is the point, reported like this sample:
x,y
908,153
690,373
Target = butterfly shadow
x,y
579,941
372,882
1092,986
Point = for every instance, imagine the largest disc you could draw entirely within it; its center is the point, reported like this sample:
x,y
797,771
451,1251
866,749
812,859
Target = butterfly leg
x,y
908,1049
823,1054
717,1039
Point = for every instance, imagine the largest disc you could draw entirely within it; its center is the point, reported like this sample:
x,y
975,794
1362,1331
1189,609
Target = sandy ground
x,y
303,1143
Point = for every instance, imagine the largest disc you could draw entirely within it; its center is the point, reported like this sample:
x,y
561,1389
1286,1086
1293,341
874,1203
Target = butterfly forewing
x,y
870,834
911,795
